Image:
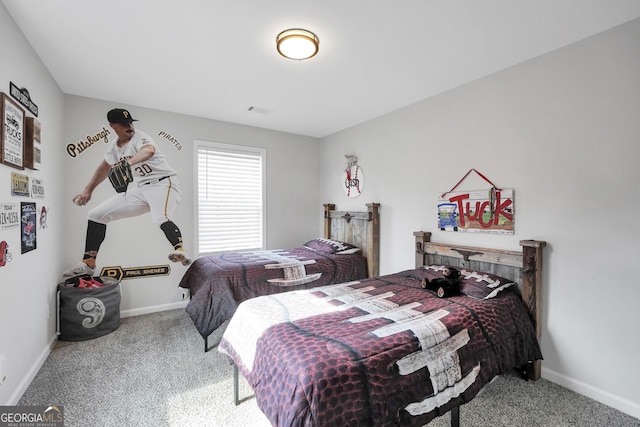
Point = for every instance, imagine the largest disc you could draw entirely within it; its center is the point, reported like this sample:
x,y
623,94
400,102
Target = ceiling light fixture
x,y
296,43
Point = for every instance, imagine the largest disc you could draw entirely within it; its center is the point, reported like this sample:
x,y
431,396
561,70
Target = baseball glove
x,y
120,176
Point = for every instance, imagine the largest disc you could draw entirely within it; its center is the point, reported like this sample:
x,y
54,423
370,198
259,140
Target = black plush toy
x,y
447,286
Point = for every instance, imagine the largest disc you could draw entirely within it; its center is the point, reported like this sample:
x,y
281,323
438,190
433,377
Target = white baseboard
x,y
31,374
609,399
35,368
153,309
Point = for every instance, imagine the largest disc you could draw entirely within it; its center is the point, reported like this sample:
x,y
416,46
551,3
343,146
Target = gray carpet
x,y
153,371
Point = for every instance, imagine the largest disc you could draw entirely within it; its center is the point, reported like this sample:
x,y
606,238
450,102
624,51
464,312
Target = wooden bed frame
x,y
361,229
523,267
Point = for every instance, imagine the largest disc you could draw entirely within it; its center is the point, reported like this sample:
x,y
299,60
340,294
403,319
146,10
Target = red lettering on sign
x,y
501,208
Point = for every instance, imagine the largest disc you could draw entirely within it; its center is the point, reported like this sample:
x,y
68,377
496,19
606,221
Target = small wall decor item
x,y
488,211
120,273
19,185
353,177
28,231
11,132
37,188
44,214
32,153
5,255
22,96
9,215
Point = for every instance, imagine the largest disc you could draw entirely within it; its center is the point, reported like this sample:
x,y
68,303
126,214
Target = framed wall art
x,y
32,151
487,211
28,220
11,133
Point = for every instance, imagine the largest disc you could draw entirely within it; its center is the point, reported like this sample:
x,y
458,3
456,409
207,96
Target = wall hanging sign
x,y
353,177
19,185
32,152
9,215
28,218
120,273
37,188
11,132
23,97
488,211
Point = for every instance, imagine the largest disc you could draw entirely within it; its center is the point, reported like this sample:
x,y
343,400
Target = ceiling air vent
x,y
259,110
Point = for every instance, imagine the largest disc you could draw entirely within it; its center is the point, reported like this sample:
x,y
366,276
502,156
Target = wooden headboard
x,y
361,229
523,267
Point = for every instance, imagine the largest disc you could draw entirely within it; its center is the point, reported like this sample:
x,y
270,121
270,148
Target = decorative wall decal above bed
x,y
488,211
353,177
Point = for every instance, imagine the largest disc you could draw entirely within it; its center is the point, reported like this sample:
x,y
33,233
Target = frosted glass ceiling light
x,y
296,43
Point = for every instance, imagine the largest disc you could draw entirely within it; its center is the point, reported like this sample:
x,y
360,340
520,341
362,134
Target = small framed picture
x,y
32,151
11,133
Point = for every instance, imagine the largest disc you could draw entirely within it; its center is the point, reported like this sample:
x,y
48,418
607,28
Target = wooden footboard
x,y
523,267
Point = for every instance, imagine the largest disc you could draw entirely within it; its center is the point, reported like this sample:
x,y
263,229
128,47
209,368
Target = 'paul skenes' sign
x,y
119,273
489,211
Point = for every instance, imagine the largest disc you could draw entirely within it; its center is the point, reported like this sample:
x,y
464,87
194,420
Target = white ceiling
x,y
216,59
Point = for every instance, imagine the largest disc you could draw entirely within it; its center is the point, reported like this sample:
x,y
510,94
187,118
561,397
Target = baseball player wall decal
x,y
155,188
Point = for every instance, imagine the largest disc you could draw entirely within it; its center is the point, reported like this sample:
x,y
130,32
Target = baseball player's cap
x,y
119,115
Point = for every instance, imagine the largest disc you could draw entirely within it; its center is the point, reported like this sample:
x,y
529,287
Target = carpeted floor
x,y
153,371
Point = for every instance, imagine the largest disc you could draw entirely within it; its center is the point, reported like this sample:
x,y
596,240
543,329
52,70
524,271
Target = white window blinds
x,y
230,198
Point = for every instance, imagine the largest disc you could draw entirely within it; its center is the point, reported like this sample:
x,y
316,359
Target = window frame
x,y
229,148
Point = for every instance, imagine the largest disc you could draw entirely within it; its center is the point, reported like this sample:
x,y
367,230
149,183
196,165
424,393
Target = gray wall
x,y
561,130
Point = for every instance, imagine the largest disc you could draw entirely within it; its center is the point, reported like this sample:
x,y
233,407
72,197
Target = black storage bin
x,y
84,314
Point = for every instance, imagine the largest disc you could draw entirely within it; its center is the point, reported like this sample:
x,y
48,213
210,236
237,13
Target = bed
x,y
348,250
383,351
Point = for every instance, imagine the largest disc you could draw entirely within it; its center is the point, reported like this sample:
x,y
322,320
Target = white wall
x,y
563,131
28,282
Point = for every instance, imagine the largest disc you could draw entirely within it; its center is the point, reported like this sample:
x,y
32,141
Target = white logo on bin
x,y
94,309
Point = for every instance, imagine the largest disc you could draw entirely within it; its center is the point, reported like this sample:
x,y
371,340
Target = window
x,y
230,197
